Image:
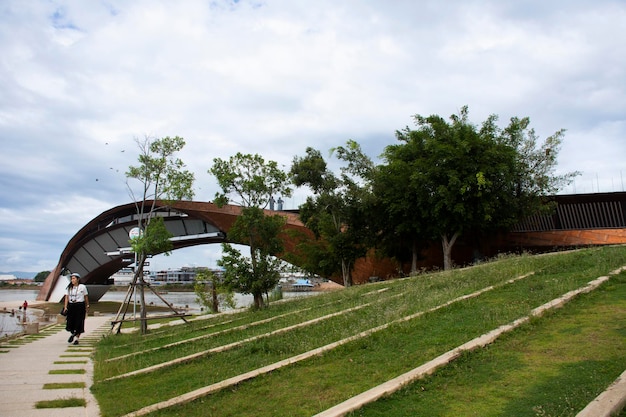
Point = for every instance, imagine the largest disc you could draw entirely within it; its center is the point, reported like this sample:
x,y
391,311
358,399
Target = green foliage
x,y
535,163
211,292
155,239
256,275
450,177
258,231
315,256
162,178
41,276
160,173
260,272
338,213
250,181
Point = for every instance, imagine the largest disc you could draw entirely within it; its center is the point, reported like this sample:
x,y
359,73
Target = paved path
x,y
26,364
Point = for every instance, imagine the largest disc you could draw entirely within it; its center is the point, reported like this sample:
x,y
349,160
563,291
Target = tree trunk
x,y
414,258
345,271
214,301
142,299
258,301
258,298
447,249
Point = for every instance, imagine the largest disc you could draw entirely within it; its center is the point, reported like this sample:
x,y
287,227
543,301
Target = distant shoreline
x,y
20,287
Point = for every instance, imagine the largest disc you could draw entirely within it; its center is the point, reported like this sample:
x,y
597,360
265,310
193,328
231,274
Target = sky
x,y
81,81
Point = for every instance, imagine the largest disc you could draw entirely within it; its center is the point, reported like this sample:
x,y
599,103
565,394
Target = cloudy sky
x,y
81,80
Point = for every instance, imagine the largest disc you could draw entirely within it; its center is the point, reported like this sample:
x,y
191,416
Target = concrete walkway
x,y
26,364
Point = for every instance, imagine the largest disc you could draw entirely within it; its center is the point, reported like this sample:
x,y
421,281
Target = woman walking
x,y
76,307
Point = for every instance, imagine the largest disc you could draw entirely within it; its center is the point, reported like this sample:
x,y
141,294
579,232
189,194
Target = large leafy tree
x,y
41,276
337,212
251,182
398,197
161,176
447,178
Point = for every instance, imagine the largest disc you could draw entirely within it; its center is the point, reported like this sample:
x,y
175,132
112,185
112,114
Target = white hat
x,y
75,274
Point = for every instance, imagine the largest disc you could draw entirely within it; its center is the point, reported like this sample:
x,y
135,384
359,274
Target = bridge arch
x,y
101,247
580,220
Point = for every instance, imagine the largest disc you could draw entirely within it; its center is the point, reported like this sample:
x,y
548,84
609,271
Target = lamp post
x,y
134,233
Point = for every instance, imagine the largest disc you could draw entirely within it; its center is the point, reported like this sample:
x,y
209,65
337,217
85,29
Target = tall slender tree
x,y
162,178
337,213
251,182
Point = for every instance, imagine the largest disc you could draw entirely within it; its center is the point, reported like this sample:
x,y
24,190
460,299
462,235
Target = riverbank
x,y
14,320
45,312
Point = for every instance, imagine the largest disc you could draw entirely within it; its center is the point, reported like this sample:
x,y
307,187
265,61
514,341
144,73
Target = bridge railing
x,y
580,212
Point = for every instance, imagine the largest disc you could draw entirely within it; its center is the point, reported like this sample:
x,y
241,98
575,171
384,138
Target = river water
x,y
179,299
13,323
12,319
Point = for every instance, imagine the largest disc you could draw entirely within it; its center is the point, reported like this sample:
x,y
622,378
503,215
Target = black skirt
x,y
76,318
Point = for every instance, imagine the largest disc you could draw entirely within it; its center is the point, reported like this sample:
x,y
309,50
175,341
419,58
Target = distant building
x,y
6,278
184,275
125,276
170,276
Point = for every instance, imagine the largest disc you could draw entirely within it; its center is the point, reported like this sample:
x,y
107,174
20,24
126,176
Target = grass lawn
x,y
554,365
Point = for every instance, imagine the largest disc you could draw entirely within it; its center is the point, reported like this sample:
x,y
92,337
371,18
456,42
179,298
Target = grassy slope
x,y
550,367
518,375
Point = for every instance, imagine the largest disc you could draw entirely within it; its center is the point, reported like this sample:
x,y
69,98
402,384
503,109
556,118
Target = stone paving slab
x,y
25,368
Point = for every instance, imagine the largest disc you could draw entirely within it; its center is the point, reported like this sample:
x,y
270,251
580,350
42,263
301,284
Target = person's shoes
x,y
76,341
70,339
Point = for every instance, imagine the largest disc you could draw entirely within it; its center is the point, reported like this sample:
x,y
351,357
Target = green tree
x,y
457,178
401,228
41,276
162,178
250,181
338,212
535,164
211,291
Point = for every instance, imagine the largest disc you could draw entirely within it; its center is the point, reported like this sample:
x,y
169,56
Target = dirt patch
x,y
328,286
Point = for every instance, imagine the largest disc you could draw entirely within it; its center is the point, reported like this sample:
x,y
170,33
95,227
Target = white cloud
x,y
81,80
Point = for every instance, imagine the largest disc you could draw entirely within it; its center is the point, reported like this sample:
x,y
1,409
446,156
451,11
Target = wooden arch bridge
x,y
101,247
